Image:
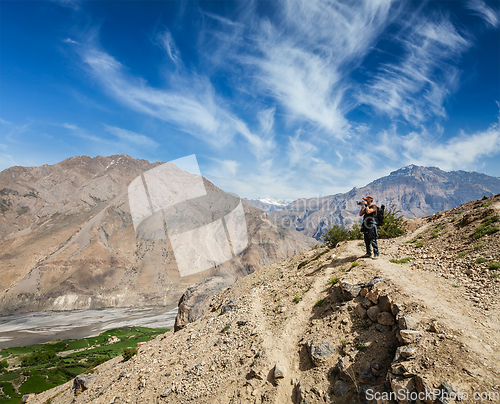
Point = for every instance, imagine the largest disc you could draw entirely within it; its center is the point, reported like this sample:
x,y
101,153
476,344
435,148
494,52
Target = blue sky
x,y
286,99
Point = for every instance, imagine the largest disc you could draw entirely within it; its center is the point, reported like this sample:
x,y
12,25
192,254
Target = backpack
x,y
380,215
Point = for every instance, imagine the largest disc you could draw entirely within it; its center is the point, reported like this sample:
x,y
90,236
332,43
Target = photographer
x,y
369,226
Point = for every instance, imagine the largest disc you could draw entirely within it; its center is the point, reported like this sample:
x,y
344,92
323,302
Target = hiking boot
x,y
366,256
375,257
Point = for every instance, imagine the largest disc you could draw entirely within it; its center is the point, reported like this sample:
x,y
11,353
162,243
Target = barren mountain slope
x,y
339,332
415,191
68,242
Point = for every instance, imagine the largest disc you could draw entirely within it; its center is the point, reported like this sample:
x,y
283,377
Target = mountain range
x,y
414,190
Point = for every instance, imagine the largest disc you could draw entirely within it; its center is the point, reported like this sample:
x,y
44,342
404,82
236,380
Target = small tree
x,y
394,224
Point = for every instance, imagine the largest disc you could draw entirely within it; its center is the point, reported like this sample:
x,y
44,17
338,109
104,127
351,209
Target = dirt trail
x,y
443,302
281,347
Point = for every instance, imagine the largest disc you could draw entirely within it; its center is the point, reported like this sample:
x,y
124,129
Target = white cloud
x,y
303,58
191,104
131,137
69,40
170,47
488,14
417,86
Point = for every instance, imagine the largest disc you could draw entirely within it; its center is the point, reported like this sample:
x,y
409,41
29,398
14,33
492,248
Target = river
x,y
38,327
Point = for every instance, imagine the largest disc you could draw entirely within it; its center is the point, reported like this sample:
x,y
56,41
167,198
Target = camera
x,y
361,203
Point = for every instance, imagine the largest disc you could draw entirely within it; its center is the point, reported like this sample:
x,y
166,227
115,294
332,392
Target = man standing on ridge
x,y
369,227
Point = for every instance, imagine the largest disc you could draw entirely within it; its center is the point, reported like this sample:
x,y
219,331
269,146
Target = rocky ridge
x,y
416,191
329,326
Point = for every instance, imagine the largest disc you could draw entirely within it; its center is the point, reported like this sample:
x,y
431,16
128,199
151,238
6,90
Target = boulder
x,y
195,302
373,313
350,291
402,387
366,303
360,311
385,318
82,383
406,322
373,295
320,352
374,281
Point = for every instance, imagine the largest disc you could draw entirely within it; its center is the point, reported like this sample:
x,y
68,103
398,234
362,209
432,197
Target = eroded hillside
x,y
327,326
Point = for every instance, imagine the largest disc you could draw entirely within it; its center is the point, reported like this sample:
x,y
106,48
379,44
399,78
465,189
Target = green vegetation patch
x,y
319,303
402,260
486,227
462,254
494,265
480,260
42,369
334,281
419,244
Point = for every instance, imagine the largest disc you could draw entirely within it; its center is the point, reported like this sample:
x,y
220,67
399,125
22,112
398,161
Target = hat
x,y
368,197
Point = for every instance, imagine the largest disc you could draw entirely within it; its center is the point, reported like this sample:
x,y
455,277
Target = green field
x,y
39,368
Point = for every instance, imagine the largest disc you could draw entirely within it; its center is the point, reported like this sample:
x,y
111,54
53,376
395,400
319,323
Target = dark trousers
x,y
371,241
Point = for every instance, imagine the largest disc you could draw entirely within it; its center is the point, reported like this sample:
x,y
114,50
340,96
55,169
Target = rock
x,y
27,397
340,387
360,311
366,303
254,374
227,307
434,327
367,376
242,323
402,387
279,372
350,291
82,383
326,397
406,322
447,393
395,308
341,368
409,336
408,352
364,292
469,271
385,318
195,301
423,385
384,302
373,295
373,313
320,352
374,281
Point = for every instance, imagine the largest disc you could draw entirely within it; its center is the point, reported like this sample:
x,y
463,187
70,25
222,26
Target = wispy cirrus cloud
x,y
490,15
191,103
131,137
303,60
416,86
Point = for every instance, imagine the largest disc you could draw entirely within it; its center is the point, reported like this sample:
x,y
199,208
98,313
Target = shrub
x,y
480,260
479,246
419,244
333,281
354,264
3,365
462,254
494,265
128,353
335,235
297,298
394,223
319,303
495,275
